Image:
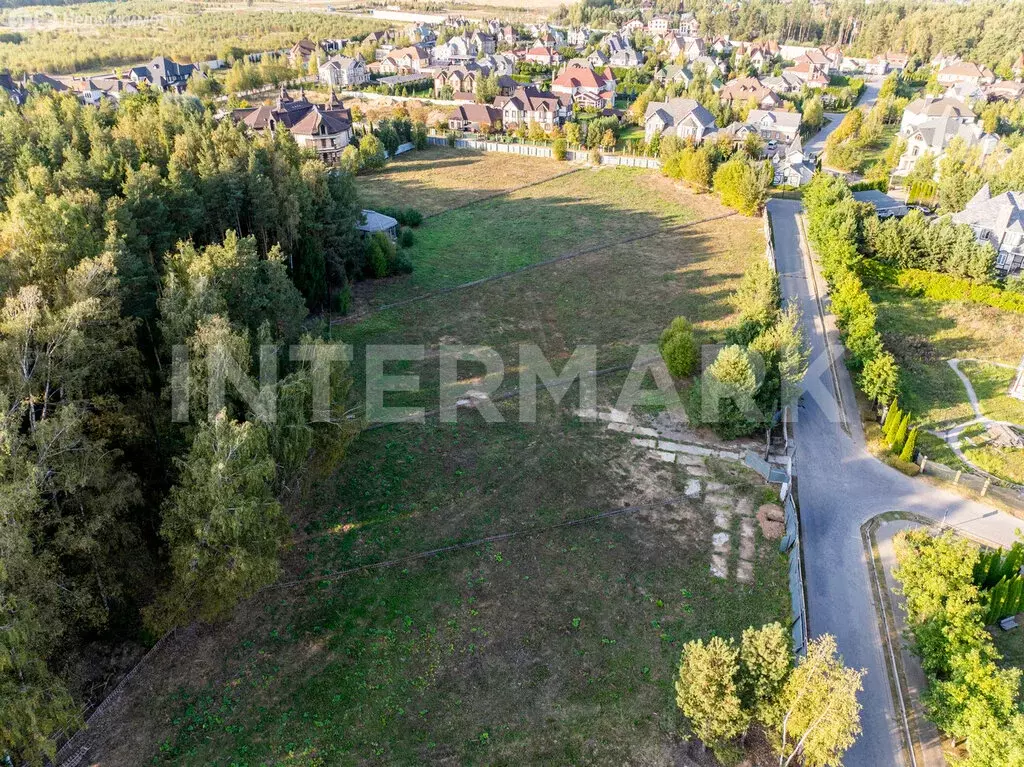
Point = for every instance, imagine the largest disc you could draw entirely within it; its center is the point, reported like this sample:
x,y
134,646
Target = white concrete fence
x,y
541,150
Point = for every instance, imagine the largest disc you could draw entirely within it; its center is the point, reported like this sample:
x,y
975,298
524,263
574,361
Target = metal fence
x,y
769,238
985,487
790,544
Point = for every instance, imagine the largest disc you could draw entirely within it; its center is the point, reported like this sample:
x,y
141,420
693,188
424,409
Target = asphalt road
x,y
815,145
841,486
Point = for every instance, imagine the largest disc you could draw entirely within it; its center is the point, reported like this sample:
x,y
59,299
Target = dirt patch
x,y
772,520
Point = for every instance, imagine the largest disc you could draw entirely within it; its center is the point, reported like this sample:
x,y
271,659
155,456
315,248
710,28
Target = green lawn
x,y
992,385
553,648
874,152
924,334
1004,462
570,213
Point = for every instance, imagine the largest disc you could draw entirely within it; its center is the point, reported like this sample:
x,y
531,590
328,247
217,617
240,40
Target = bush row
x,y
836,224
945,287
969,696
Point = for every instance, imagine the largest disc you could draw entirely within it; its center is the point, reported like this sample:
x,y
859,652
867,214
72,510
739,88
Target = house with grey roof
x,y
163,74
934,137
680,117
792,166
998,221
324,128
343,72
774,125
930,107
372,222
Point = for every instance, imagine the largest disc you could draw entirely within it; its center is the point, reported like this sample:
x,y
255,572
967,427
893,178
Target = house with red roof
x,y
586,87
542,54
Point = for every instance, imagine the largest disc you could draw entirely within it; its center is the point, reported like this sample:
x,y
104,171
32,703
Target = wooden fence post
x,y
984,489
956,479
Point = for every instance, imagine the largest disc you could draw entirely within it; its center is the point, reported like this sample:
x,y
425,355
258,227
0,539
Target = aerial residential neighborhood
x,y
602,383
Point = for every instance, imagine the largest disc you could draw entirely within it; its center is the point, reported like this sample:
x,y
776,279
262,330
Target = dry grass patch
x,y
439,178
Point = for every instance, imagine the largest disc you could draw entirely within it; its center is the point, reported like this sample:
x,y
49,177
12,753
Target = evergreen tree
x,y
707,693
907,454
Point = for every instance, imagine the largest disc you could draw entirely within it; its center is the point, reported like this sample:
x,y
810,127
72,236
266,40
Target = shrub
x,y
419,135
945,287
558,149
679,349
381,255
371,153
595,156
405,237
743,186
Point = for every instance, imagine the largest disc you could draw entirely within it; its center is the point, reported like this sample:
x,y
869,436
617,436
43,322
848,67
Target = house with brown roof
x,y
406,61
965,73
744,90
809,73
476,118
1004,90
528,106
326,129
828,61
466,77
302,52
586,87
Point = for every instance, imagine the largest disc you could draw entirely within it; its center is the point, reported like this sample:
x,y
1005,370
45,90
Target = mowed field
x,y
558,645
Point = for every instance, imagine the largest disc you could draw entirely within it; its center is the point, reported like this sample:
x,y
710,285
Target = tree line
x,y
129,236
970,696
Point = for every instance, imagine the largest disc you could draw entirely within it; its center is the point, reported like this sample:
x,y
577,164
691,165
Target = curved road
x,y
842,486
816,144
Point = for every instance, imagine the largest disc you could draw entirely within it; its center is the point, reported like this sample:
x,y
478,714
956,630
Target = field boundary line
x,y
547,262
527,532
502,193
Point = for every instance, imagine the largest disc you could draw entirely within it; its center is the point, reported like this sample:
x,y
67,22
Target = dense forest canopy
x,y
124,234
102,35
990,33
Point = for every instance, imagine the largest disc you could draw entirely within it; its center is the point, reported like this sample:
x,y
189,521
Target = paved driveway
x,y
841,486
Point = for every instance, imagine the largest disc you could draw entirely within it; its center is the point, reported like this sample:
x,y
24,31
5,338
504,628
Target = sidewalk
x,y
925,735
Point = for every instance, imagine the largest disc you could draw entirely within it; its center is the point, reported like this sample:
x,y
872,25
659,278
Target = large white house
x,y
998,221
343,72
929,125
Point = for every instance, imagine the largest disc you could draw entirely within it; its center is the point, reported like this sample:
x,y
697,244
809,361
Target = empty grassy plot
x,y
617,299
566,215
439,178
924,334
560,647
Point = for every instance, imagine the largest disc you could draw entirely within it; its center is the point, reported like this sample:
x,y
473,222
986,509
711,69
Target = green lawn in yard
x,y
992,385
874,152
924,334
1004,462
559,647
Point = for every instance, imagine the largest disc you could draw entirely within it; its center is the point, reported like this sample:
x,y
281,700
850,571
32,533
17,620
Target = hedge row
x,y
943,287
